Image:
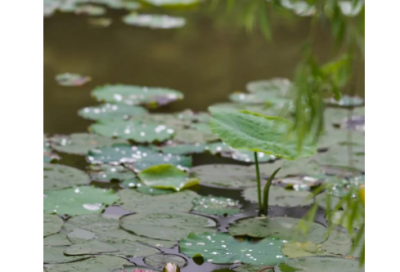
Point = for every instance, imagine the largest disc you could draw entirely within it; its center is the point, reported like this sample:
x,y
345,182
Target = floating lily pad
x,y
51,224
172,3
72,80
134,201
194,136
338,156
55,255
89,248
81,235
166,226
81,143
189,115
282,227
218,148
118,154
153,191
79,200
48,155
212,205
100,263
169,120
281,197
222,248
267,98
184,149
160,260
318,264
254,132
279,86
133,130
182,162
301,183
91,10
111,112
136,95
57,177
131,183
107,173
252,268
225,175
346,101
166,176
240,155
58,239
154,21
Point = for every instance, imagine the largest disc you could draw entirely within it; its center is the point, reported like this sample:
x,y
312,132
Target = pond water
x,y
207,59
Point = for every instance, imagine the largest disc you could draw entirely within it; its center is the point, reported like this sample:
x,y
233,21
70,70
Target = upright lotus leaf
x,y
101,263
79,200
81,143
56,177
109,111
212,205
89,248
156,21
183,149
225,175
258,133
160,260
51,224
136,95
346,101
58,239
166,226
55,255
107,173
166,176
282,227
154,159
221,248
279,86
133,130
171,3
118,154
72,80
281,197
318,264
134,201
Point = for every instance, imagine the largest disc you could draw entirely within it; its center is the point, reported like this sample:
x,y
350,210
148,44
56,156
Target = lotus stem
x,y
260,209
266,191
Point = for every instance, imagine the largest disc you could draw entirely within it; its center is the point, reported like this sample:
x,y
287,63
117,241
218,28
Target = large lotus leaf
x,y
81,143
58,239
254,132
282,227
279,196
135,95
212,205
55,255
154,159
166,226
96,226
222,248
51,224
118,154
183,149
251,268
171,3
106,173
162,22
225,175
90,248
137,202
57,177
346,101
160,260
279,86
318,264
338,156
133,130
109,111
79,200
166,176
102,263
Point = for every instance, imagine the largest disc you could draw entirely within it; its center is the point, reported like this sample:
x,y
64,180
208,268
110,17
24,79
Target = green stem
x,y
266,191
258,184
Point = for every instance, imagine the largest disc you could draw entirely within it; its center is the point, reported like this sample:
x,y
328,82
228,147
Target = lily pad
x,y
90,248
194,136
166,176
338,156
107,173
132,183
182,162
225,175
251,268
160,260
72,80
346,101
172,3
58,239
51,224
301,183
111,112
254,132
318,264
56,177
169,120
133,130
189,115
136,95
100,263
81,143
118,154
212,205
153,191
166,226
55,255
282,227
267,98
91,10
134,201
281,197
79,200
183,149
279,86
48,155
154,21
221,248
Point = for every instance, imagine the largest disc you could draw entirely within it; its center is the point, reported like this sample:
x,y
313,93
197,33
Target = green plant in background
x,y
251,131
